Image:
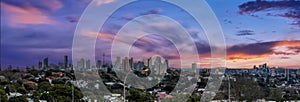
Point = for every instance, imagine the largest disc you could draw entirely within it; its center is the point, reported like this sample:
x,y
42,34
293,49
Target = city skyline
x,y
32,30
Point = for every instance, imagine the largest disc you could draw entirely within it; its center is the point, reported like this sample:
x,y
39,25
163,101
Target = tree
x,y
63,91
18,99
3,95
44,86
137,95
275,95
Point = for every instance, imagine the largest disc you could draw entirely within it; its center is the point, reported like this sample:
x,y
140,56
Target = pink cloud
x,y
103,36
53,5
101,2
27,15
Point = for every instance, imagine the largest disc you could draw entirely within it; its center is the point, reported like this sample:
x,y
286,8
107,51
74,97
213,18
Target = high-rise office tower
x,y
131,62
126,65
103,58
194,67
99,64
164,67
298,72
40,65
167,62
66,63
288,75
150,66
118,64
81,63
88,64
158,65
45,64
264,65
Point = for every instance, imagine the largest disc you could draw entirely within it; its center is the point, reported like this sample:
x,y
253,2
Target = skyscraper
x,y
158,65
150,66
99,64
131,62
167,63
103,58
164,67
194,67
45,64
126,65
66,63
40,65
88,64
118,65
81,64
298,72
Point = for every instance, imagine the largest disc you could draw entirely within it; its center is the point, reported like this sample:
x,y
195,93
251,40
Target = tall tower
x,y
194,67
118,65
167,62
88,64
150,64
99,64
66,62
81,63
288,74
131,62
103,58
158,65
46,65
40,65
126,65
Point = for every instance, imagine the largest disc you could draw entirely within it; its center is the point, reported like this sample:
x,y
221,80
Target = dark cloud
x,y
110,28
284,57
296,49
243,51
284,8
44,5
255,40
227,21
72,19
245,32
252,49
154,43
127,17
202,47
153,11
170,57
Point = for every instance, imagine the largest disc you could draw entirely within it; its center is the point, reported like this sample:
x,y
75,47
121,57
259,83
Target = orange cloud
x,y
291,43
27,15
269,52
103,36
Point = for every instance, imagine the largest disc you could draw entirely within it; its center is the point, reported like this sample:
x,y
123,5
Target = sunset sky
x,y
256,32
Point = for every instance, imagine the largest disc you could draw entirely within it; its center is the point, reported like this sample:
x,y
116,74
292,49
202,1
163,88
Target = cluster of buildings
x,y
154,64
61,65
271,76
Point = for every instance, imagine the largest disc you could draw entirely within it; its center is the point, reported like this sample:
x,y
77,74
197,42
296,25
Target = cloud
x,y
72,19
245,32
153,11
263,49
103,36
53,5
25,15
128,17
101,2
284,57
286,8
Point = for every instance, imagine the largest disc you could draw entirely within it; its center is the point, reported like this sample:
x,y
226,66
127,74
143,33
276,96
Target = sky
x,y
255,32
